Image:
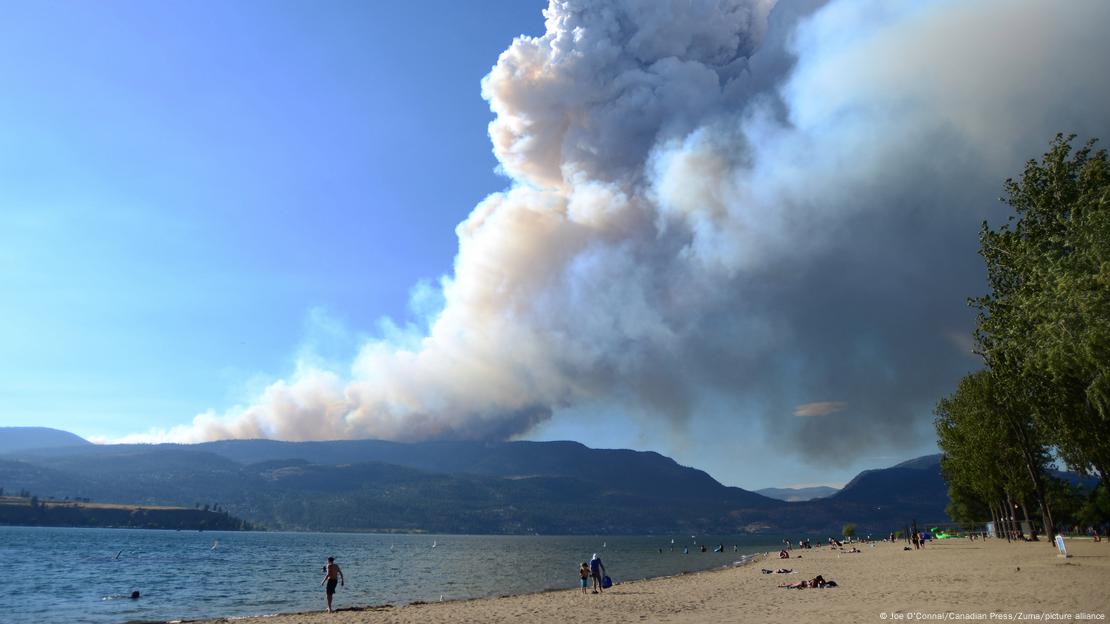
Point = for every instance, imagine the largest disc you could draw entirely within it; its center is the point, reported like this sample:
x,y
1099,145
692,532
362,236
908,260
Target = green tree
x,y
1044,327
1096,509
849,530
993,457
1066,500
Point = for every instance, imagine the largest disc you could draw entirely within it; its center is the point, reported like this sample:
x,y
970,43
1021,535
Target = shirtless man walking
x,y
332,576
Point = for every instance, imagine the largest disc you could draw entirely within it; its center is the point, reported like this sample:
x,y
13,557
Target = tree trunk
x,y
1042,499
1025,513
990,507
1035,474
1011,512
1003,524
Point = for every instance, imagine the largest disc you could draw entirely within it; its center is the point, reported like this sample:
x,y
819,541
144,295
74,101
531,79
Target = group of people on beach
x,y
593,570
817,582
702,548
918,540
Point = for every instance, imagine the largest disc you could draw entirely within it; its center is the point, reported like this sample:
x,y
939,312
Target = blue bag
x,y
606,582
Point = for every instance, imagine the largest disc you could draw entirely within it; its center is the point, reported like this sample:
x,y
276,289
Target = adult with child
x,y
597,570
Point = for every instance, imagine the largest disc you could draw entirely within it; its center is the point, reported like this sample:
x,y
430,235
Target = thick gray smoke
x,y
722,208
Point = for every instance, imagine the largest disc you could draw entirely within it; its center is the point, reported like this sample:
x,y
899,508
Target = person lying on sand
x,y
779,571
817,582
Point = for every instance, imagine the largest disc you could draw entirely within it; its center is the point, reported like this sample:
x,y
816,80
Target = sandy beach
x,y
953,580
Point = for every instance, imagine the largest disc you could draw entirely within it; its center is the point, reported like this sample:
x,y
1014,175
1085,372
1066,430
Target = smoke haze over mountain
x,y
720,209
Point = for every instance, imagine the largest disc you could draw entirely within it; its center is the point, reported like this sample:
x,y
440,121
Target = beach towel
x,y
606,582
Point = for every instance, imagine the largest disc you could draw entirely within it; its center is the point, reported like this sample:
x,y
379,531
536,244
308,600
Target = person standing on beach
x,y
332,576
584,572
596,570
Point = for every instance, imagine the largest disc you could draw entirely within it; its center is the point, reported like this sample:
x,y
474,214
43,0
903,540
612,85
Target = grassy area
x,y
19,500
33,511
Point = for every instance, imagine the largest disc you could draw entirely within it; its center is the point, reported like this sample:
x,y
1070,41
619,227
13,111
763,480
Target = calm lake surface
x,y
86,575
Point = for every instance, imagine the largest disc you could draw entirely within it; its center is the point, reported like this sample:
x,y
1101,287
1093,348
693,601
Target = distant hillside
x,y
909,482
465,487
31,511
508,487
640,471
1083,482
643,472
925,462
793,495
22,438
461,487
876,501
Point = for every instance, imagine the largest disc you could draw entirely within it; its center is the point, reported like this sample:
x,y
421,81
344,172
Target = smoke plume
x,y
721,209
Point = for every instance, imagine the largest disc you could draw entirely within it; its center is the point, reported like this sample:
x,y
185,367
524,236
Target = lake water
x,y
87,575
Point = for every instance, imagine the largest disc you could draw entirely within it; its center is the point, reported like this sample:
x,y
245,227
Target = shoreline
x,y
745,560
968,580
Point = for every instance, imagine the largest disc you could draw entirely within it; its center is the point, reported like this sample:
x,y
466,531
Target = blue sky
x,y
185,186
743,240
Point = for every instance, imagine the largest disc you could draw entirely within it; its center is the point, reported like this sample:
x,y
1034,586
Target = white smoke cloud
x,y
719,203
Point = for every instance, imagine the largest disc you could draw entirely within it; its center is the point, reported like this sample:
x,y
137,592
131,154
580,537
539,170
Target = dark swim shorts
x,y
331,585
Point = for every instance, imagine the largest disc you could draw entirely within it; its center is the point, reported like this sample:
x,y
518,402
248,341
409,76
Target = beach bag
x,y
606,582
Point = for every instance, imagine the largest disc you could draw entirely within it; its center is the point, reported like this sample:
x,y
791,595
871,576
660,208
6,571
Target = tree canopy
x,y
1043,330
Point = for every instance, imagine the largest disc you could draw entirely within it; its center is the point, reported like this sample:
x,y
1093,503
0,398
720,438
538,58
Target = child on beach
x,y
584,572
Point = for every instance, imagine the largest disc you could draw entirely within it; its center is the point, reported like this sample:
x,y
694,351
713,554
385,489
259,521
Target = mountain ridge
x,y
27,438
454,487
798,494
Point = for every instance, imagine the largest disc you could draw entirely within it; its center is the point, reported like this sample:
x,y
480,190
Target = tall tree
x,y
990,451
1044,327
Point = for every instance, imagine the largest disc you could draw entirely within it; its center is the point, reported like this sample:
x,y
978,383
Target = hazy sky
x,y
738,232
189,191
